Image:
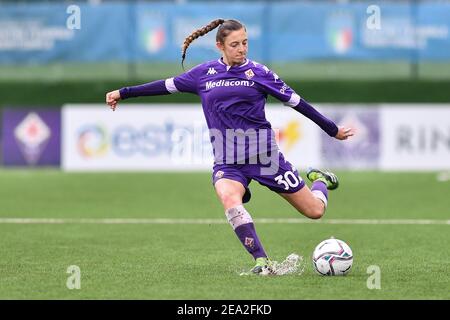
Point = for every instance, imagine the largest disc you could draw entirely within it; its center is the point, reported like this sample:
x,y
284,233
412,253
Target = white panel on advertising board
x,y
138,137
415,137
165,137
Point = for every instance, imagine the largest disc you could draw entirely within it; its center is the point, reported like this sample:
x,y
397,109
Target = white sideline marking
x,y
220,221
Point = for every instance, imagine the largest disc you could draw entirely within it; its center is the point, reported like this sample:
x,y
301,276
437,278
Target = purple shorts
x,y
283,177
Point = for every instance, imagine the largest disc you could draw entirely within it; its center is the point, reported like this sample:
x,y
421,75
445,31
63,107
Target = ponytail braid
x,y
198,33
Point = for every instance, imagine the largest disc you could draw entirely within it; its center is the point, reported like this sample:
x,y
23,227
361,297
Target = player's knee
x,y
315,212
230,200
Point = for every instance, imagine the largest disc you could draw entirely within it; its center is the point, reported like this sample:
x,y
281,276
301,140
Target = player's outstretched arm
x,y
338,132
155,88
278,88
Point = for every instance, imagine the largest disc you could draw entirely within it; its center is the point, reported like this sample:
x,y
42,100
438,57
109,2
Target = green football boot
x,y
262,267
329,178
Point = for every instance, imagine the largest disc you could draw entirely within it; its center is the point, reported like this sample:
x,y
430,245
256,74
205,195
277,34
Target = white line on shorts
x,y
220,221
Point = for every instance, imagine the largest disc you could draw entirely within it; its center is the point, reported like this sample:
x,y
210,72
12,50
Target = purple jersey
x,y
233,100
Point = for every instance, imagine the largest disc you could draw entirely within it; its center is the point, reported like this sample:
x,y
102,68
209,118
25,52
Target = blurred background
x,y
346,57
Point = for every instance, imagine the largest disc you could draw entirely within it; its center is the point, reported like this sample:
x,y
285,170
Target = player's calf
x,y
306,202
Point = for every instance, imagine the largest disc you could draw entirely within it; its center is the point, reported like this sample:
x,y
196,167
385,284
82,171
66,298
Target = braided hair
x,y
226,27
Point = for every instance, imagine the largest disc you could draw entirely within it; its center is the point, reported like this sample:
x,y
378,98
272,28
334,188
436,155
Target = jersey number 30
x,y
288,180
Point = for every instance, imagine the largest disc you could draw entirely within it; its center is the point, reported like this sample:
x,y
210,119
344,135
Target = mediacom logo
x,y
92,141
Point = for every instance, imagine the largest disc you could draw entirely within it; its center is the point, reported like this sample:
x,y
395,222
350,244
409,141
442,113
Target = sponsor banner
x,y
362,151
64,32
175,137
161,29
165,137
358,30
138,137
31,137
415,137
143,32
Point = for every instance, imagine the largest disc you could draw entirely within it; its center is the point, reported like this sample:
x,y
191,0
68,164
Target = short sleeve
x,y
277,88
187,82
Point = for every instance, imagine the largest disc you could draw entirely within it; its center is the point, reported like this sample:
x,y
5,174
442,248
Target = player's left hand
x,y
343,133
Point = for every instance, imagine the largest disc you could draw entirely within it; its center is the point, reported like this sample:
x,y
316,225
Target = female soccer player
x,y
233,91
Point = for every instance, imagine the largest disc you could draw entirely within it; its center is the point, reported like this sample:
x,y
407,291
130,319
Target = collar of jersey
x,y
229,67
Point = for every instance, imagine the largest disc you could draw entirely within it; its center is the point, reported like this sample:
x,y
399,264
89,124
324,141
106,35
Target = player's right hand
x,y
112,98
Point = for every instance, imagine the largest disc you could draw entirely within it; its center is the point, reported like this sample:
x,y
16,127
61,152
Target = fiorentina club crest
x,y
32,135
249,242
219,174
249,74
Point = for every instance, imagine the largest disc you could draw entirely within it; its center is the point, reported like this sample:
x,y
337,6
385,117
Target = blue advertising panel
x,y
162,29
39,33
282,32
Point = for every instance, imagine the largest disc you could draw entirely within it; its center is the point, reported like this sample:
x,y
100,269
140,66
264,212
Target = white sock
x,y
319,195
238,216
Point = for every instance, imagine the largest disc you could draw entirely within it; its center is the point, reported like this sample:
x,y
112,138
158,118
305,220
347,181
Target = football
x,y
332,257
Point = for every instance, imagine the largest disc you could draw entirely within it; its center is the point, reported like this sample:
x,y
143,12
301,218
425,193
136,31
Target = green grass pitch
x,y
202,261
